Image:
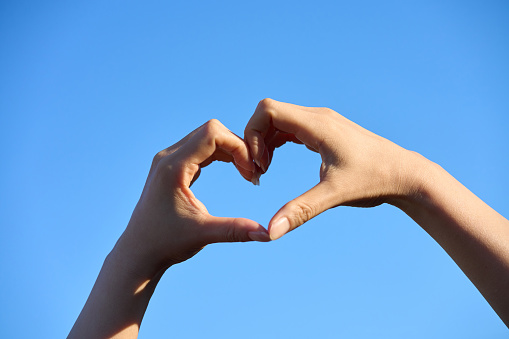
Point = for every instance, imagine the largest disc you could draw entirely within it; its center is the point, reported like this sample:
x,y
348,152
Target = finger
x,y
221,229
248,175
256,143
218,155
212,140
302,122
298,211
169,150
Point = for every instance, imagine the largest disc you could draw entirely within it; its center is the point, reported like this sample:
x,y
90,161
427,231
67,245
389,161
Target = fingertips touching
x,y
259,234
255,178
252,177
220,229
262,236
242,158
256,144
279,227
264,160
240,152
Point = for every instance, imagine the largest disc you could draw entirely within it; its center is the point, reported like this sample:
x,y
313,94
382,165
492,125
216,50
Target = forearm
x,y
471,232
117,303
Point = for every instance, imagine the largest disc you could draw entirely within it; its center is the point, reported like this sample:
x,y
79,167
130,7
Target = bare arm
x,y
360,168
471,232
169,225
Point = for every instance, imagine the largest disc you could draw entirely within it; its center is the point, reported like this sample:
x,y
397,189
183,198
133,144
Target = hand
x,y
359,168
169,225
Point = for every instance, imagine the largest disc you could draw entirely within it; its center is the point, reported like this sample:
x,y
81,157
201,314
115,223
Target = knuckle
x,y
212,128
328,111
255,142
266,104
231,233
303,211
213,125
158,157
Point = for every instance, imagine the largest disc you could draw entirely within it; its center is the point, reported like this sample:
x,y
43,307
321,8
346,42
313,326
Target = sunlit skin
x,y
169,225
359,168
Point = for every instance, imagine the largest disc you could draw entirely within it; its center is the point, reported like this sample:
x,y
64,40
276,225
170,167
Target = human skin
x,y
169,225
360,168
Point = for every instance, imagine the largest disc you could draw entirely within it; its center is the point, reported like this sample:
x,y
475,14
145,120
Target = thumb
x,y
301,209
220,229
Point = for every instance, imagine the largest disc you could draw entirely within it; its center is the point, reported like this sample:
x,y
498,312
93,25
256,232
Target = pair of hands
x,y
170,225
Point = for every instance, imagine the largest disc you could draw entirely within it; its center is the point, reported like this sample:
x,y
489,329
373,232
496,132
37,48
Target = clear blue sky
x,y
91,90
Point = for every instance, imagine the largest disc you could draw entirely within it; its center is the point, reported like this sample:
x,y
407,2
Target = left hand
x,y
359,168
169,224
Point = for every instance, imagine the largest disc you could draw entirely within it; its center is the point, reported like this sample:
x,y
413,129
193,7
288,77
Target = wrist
x,y
415,176
135,261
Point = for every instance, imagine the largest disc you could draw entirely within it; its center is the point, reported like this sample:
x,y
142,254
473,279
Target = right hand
x,y
169,224
359,168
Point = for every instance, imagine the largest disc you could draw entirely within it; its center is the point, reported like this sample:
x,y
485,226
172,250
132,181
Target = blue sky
x,y
91,90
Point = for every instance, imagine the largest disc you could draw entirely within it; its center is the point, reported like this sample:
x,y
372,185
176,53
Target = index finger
x,y
288,118
210,138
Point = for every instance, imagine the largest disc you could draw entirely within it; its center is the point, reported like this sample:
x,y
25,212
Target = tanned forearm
x,y
118,301
471,232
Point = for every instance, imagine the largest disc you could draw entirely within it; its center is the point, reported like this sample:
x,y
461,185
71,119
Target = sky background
x,y
91,90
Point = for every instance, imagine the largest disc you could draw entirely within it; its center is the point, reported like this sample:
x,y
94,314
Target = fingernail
x,y
252,170
255,178
279,228
259,236
264,169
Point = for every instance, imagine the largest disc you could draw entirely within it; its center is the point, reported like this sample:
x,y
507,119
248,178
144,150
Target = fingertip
x,y
255,177
262,236
279,227
245,172
247,175
222,229
264,160
255,231
256,145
